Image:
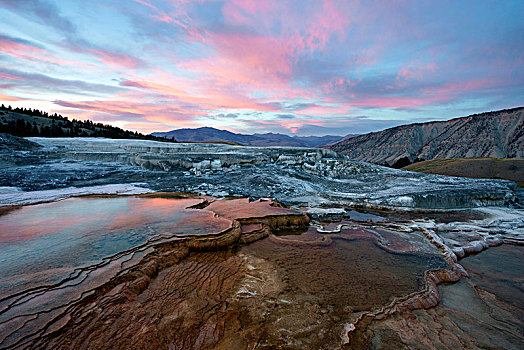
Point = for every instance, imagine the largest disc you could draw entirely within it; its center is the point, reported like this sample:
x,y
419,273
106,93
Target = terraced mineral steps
x,y
484,311
163,271
327,281
481,311
59,258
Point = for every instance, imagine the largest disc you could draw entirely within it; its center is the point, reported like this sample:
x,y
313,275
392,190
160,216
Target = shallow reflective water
x,y
243,208
500,271
45,242
348,269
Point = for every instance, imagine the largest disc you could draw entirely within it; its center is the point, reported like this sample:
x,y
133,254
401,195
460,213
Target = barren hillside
x,y
497,134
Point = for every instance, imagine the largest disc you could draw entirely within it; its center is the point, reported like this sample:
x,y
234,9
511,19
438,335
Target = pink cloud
x,y
256,57
9,76
324,24
416,72
115,59
300,32
10,46
246,64
208,96
168,114
9,98
26,51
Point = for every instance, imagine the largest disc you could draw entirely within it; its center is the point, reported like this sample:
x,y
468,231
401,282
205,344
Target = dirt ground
x,y
490,168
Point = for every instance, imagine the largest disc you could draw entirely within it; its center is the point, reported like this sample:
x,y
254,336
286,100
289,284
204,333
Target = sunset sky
x,y
303,67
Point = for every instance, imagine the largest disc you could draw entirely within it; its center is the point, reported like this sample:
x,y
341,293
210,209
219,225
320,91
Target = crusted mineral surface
x,y
294,176
137,244
63,277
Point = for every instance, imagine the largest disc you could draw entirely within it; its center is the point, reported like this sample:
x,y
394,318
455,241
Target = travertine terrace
x,y
191,250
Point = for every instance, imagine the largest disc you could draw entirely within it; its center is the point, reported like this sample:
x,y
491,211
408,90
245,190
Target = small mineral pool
x,y
44,243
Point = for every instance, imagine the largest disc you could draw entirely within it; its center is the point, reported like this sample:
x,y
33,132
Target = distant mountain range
x,y
207,134
498,134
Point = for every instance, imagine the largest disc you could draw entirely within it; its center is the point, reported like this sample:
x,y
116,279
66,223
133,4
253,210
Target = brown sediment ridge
x,y
181,293
126,286
173,296
329,279
356,335
268,218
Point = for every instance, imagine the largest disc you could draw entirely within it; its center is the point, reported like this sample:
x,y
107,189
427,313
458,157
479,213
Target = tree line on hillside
x,y
61,126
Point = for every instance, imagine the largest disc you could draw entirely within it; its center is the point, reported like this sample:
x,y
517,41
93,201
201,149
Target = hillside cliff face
x,y
497,134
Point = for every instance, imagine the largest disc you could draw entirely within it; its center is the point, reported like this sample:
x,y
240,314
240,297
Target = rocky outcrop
x,y
494,134
9,143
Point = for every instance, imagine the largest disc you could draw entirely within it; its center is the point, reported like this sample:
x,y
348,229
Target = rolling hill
x,y
485,168
32,122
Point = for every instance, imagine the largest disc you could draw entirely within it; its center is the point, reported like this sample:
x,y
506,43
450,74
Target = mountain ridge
x,y
496,134
207,134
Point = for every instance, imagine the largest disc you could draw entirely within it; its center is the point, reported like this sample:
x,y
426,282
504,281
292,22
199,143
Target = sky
x,y
294,67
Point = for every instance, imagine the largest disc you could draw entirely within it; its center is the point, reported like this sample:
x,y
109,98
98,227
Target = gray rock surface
x,y
13,143
296,176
